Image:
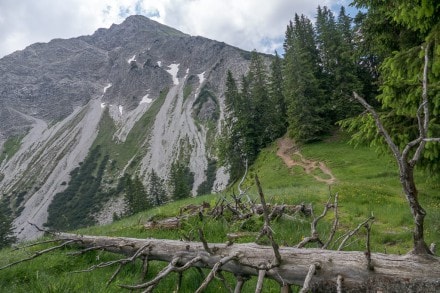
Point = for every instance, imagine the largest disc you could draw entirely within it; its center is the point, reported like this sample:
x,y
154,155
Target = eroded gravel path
x,y
286,151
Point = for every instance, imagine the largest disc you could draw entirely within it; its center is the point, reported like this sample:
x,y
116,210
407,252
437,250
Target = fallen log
x,y
339,271
168,223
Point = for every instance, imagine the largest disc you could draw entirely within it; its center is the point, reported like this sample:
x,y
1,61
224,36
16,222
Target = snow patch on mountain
x,y
146,99
131,59
201,77
107,87
173,70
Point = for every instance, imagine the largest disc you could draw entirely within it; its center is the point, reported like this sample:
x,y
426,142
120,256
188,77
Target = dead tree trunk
x,y
387,273
408,157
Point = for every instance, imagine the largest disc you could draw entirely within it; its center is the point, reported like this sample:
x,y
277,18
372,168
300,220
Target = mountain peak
x,y
143,23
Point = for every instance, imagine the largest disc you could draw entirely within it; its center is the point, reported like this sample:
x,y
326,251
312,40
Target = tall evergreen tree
x,y
396,34
7,236
230,145
156,190
135,195
181,181
301,85
276,80
254,115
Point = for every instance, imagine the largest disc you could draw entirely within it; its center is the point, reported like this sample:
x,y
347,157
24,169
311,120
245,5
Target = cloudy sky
x,y
248,24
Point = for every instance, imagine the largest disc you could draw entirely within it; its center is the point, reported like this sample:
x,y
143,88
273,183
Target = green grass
x,y
366,183
10,147
123,152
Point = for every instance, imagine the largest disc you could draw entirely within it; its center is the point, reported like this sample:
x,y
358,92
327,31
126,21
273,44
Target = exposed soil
x,y
287,151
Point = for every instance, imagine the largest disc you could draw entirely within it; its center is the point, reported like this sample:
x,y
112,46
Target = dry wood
x,y
169,223
172,267
266,228
213,272
350,234
335,223
261,275
339,284
240,282
314,237
392,272
432,248
204,242
193,209
121,262
405,162
308,279
278,210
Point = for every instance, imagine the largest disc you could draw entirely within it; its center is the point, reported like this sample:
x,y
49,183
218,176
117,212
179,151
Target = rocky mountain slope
x,y
146,94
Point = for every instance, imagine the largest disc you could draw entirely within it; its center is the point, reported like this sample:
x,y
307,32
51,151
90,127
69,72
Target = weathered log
x,y
277,210
338,269
169,223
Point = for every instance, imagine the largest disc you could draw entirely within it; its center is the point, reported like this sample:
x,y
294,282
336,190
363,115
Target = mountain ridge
x,y
55,95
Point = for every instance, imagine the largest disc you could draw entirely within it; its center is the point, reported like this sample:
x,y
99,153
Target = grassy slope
x,y
366,184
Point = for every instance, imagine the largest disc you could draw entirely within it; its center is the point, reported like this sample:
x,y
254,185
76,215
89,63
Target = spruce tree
x,y
7,236
301,85
156,190
135,195
397,34
181,181
279,123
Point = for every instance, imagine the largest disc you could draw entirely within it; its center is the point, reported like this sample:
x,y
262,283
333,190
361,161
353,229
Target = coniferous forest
x,y
309,92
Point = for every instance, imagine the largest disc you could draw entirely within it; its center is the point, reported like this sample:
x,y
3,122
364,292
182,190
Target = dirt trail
x,y
286,150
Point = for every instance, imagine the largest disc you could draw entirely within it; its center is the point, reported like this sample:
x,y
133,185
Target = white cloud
x,y
248,24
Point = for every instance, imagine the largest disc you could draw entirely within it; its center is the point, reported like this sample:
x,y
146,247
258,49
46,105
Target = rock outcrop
x,y
150,92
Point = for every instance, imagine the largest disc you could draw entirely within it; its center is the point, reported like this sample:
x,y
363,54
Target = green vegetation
x,y
10,147
180,181
86,192
206,96
305,94
321,70
6,228
74,207
186,92
365,183
135,195
156,189
206,186
396,37
254,116
123,152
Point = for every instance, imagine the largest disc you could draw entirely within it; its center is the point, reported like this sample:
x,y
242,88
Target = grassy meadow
x,y
367,184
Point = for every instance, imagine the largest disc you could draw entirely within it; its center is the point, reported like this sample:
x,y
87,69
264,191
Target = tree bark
x,y
417,211
391,273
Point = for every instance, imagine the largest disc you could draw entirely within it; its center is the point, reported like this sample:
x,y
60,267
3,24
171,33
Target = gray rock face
x,y
54,95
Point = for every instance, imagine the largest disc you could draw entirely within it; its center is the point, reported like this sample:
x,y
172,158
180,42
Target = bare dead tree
x,y
314,237
405,161
337,269
267,230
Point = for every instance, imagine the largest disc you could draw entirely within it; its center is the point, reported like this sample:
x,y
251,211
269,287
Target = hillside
x,y
366,183
132,99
